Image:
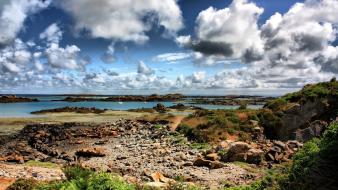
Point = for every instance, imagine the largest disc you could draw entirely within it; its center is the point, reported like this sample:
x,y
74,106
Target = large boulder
x,y
243,152
315,129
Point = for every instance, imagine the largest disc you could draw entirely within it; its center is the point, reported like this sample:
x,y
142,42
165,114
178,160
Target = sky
x,y
214,47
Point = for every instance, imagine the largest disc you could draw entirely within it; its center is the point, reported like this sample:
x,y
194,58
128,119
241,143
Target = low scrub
x,y
219,125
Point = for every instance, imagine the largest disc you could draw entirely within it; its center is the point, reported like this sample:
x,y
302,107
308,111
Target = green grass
x,y
77,179
41,164
200,146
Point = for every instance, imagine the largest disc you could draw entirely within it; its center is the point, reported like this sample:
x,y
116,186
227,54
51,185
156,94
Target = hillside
x,y
300,114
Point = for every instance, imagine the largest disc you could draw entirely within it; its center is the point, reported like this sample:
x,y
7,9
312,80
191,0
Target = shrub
x,y
315,165
77,172
305,158
106,181
23,184
192,134
243,106
270,121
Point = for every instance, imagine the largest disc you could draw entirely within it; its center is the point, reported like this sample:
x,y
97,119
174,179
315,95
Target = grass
x,y
200,146
42,164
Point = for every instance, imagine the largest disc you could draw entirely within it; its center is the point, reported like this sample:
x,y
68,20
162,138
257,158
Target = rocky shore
x,y
128,98
129,148
15,99
71,109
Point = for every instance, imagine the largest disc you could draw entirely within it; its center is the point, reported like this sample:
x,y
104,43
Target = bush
x,y
106,181
77,172
192,134
315,165
23,184
305,159
270,121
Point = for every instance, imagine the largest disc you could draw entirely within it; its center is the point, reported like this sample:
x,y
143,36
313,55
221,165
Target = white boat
x,y
120,102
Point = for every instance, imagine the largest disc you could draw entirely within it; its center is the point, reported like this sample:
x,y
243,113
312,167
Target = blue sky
x,y
188,46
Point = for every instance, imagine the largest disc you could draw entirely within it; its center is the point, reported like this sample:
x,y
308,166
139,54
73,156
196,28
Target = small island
x,y
15,99
71,109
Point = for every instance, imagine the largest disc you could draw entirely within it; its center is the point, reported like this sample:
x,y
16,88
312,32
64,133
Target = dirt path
x,y
176,122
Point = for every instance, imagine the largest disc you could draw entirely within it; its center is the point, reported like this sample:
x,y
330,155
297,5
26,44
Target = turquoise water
x,y
24,109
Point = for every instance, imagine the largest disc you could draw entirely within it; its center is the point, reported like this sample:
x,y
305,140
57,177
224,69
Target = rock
x,y
160,108
207,163
91,152
280,144
158,177
202,163
156,184
237,152
239,147
178,106
188,164
254,123
315,129
222,146
212,156
275,149
13,158
216,165
294,144
254,156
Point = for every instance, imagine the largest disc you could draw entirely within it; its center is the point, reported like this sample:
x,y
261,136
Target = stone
x,y
158,177
156,184
239,147
212,156
216,165
202,163
280,144
315,129
160,108
254,156
91,152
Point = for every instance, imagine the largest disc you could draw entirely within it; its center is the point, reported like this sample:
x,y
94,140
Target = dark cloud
x,y
273,43
330,65
309,42
251,55
213,48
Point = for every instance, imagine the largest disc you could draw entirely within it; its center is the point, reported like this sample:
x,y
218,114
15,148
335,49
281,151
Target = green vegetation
x,y
270,120
313,92
200,146
77,179
315,165
213,125
191,133
41,164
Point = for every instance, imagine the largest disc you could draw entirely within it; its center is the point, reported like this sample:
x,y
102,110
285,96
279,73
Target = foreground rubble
x,y
134,150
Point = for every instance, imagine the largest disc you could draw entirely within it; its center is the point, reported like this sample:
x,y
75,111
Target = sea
x,y
24,109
